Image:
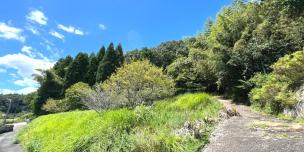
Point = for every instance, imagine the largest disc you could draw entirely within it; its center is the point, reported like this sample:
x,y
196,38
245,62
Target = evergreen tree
x,y
77,70
61,66
107,65
120,56
101,53
92,70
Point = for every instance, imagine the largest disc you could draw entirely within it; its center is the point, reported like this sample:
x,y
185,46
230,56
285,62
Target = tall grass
x,y
141,129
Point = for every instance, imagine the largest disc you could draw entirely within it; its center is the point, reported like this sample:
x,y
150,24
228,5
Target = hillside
x,y
182,123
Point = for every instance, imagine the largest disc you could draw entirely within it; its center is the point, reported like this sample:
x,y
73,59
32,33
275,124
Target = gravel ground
x,y
253,132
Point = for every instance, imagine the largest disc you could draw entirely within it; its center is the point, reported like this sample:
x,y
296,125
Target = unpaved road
x,y
253,132
7,140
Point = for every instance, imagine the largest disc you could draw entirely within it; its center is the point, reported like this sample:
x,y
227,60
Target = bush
x,y
276,91
138,83
53,106
74,96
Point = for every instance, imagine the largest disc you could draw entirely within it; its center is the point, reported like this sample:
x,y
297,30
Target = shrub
x,y
74,96
276,91
98,100
53,106
138,83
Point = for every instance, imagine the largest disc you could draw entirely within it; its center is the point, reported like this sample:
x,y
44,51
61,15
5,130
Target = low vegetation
x,y
168,125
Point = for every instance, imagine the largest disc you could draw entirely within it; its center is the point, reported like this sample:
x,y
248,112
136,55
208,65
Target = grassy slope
x,y
141,129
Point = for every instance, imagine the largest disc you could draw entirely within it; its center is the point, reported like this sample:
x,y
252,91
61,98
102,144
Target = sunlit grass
x,y
141,129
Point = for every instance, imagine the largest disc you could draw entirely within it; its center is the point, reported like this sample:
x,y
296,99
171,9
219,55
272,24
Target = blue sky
x,y
34,34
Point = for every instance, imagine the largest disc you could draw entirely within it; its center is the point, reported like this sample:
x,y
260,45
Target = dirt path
x,y
252,132
7,140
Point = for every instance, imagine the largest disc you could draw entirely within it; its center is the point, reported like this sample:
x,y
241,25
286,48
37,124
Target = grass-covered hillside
x,y
182,123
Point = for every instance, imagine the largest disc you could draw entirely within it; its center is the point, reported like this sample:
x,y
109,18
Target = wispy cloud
x,y
2,70
70,29
27,49
57,35
37,17
102,26
10,32
32,52
32,29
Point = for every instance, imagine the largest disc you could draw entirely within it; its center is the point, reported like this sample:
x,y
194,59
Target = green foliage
x,y
18,104
291,67
276,90
101,53
92,69
195,72
138,83
246,38
167,52
51,86
53,106
142,129
112,60
162,55
77,70
61,66
74,96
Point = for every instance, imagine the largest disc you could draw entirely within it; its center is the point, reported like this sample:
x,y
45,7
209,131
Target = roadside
x,y
253,132
7,139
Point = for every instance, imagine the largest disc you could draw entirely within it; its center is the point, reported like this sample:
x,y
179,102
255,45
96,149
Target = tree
x,y
277,91
77,70
92,70
51,86
167,52
120,56
138,83
108,65
101,53
98,100
61,66
74,96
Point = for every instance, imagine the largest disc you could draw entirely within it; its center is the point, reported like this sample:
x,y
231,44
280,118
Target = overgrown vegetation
x,y
244,51
55,83
144,128
138,83
275,92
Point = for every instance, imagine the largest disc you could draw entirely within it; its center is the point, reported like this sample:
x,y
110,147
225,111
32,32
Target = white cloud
x,y
25,82
13,75
79,32
9,32
6,91
57,35
2,70
27,50
102,26
70,29
37,17
32,29
20,91
25,66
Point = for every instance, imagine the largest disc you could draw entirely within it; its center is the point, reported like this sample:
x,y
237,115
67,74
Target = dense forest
x,y
18,103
